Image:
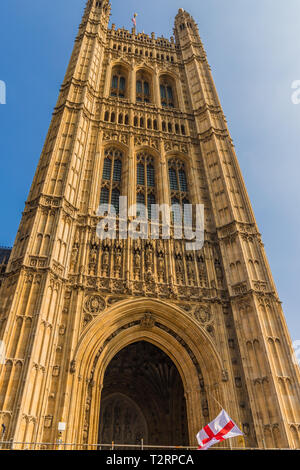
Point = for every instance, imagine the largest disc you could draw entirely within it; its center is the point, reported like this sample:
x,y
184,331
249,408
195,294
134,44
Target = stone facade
x,y
4,257
70,303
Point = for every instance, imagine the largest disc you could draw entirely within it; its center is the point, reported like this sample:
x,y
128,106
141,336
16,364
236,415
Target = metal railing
x,y
59,445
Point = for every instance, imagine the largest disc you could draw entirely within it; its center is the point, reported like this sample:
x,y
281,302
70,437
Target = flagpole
x,y
211,395
242,438
134,21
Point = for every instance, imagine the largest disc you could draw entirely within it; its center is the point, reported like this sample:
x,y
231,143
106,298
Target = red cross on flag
x,y
134,19
218,430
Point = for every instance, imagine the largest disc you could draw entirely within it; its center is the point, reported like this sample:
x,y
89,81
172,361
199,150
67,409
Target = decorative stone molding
x,y
148,321
94,304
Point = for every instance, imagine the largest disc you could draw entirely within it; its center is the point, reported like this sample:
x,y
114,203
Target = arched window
x,y
143,87
179,190
146,190
118,83
167,92
111,178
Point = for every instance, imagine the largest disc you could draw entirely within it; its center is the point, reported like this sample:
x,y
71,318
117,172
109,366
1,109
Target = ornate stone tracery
x,y
71,302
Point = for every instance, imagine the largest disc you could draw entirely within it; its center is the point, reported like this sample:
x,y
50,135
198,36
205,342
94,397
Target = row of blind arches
x,y
146,182
149,123
150,54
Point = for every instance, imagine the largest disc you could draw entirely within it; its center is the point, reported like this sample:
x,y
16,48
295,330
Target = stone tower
x,y
128,339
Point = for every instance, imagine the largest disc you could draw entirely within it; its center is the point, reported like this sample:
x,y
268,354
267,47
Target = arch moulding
x,y
166,327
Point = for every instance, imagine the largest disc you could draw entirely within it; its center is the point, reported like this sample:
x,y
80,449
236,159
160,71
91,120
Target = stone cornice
x,y
213,132
235,228
250,293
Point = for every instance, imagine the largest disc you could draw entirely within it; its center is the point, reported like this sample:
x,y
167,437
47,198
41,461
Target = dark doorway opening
x,y
143,398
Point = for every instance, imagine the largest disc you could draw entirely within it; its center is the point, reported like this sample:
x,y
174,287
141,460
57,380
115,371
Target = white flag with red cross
x,y
134,19
218,430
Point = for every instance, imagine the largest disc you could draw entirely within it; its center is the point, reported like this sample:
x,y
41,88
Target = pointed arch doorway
x,y
143,398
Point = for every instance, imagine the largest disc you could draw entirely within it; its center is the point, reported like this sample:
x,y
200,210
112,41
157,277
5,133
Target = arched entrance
x,y
143,398
167,328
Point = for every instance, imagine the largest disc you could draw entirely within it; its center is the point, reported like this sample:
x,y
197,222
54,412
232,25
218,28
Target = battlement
x,y
141,38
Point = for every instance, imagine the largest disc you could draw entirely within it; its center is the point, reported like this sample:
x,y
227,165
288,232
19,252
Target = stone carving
x,y
219,273
203,314
74,256
94,304
48,421
246,429
149,256
144,140
148,321
118,260
190,266
56,371
240,288
93,259
114,300
161,267
225,376
73,366
202,271
116,136
176,146
87,318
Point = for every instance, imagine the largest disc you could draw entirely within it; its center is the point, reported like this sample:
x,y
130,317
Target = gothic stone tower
x,y
127,339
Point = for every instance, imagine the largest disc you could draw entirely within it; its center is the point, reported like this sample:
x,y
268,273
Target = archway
x,y
165,326
143,398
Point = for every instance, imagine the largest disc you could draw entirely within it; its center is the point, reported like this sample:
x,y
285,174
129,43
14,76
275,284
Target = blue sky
x,y
253,47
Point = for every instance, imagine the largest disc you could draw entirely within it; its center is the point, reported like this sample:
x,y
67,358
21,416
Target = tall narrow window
x,y
177,211
111,178
107,169
179,190
104,196
140,199
146,182
150,202
141,174
173,179
143,93
115,198
117,170
118,83
167,92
